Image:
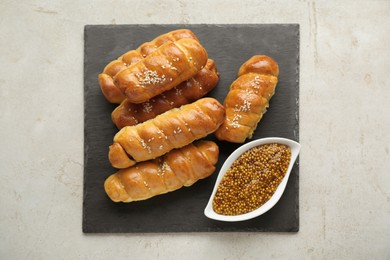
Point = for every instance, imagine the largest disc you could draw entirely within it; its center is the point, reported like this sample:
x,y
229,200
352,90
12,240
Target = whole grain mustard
x,y
252,179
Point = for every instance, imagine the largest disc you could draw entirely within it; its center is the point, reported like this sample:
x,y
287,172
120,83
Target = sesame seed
x,y
146,184
178,91
256,82
169,65
149,77
164,167
235,119
243,108
145,146
147,107
248,91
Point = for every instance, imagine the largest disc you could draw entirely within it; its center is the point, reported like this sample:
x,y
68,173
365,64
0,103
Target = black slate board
x,y
182,210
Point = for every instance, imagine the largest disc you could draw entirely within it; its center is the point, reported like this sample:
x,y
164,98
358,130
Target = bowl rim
x,y
295,149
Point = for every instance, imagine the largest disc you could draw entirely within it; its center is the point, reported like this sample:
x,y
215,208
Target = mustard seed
x,y
252,179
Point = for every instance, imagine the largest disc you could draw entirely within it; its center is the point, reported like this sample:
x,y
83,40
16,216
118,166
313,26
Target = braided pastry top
x,y
106,81
178,168
127,113
172,129
248,98
165,68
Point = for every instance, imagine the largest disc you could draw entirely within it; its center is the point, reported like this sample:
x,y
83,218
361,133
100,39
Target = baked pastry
x,y
248,98
173,129
178,168
163,69
106,81
127,113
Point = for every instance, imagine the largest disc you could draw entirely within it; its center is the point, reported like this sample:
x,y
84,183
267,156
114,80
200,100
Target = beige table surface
x,y
344,131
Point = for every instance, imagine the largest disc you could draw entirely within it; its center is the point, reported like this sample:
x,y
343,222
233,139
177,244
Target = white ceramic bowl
x,y
295,148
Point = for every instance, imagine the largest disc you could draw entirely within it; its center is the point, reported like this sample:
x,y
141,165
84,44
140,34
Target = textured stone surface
x,y
344,130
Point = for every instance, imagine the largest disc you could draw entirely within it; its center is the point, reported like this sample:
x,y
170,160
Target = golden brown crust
x,y
109,90
165,68
260,64
127,113
106,82
178,168
118,157
172,129
248,98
